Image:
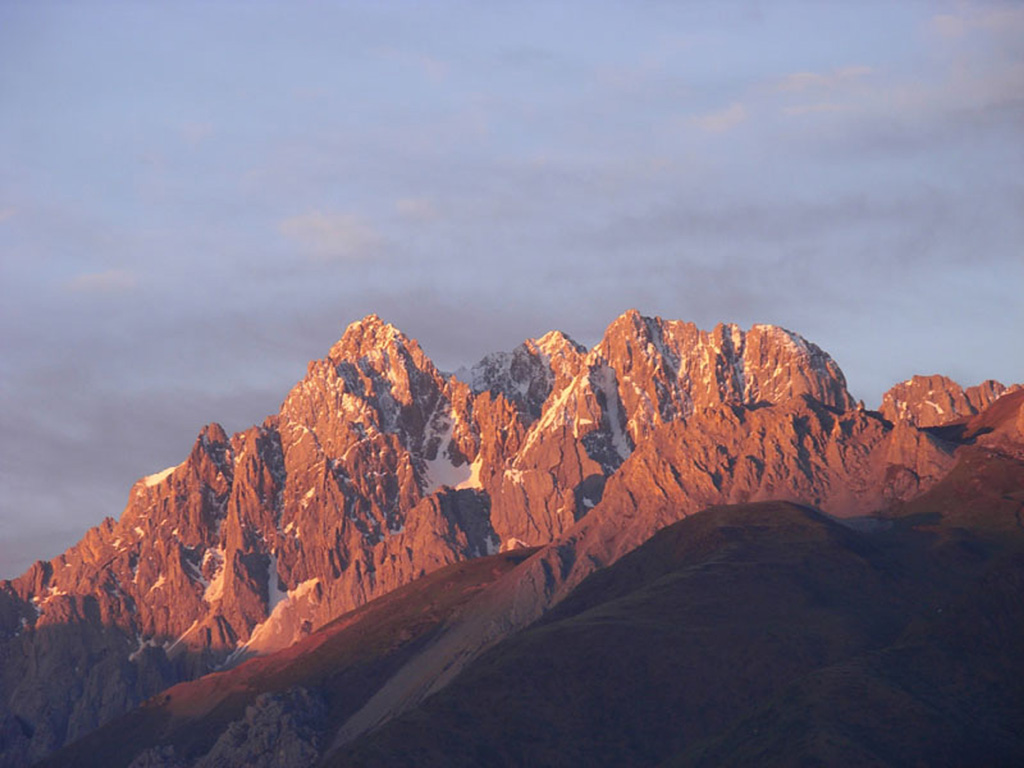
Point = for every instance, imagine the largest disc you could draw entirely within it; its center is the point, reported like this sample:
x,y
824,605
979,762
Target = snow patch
x,y
556,412
440,471
794,341
143,644
135,654
51,593
604,378
168,647
274,592
473,481
150,480
515,475
284,625
215,589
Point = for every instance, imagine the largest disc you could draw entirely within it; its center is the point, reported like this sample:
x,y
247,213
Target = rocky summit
x,y
379,469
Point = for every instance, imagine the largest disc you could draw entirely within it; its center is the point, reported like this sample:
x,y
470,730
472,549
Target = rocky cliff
x,y
741,633
931,401
378,469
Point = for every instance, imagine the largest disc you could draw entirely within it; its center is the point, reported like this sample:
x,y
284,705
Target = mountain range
x,y
680,547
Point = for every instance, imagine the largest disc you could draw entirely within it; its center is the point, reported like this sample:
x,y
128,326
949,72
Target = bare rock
x,y
280,730
931,401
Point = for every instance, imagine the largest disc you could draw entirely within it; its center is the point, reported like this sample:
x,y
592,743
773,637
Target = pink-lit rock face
x,y
379,468
931,401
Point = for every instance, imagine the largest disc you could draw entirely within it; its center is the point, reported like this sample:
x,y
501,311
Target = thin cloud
x,y
820,107
333,236
416,208
1006,20
195,134
110,281
975,80
822,81
7,213
723,120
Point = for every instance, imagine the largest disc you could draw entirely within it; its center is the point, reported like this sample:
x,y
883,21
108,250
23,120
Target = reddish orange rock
x,y
378,468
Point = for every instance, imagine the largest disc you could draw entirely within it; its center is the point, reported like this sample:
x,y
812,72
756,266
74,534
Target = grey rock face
x,y
281,730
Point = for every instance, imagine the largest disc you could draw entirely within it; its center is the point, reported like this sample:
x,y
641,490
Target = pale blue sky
x,y
195,199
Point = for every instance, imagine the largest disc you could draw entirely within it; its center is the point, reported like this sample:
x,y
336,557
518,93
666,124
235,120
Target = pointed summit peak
x,y
629,328
364,336
632,323
371,324
632,317
554,343
212,441
212,433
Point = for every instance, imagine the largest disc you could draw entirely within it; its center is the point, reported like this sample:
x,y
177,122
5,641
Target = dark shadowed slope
x,y
759,633
950,690
341,665
664,648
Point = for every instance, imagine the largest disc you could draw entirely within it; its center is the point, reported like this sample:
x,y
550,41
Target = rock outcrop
x,y
931,401
378,469
848,463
